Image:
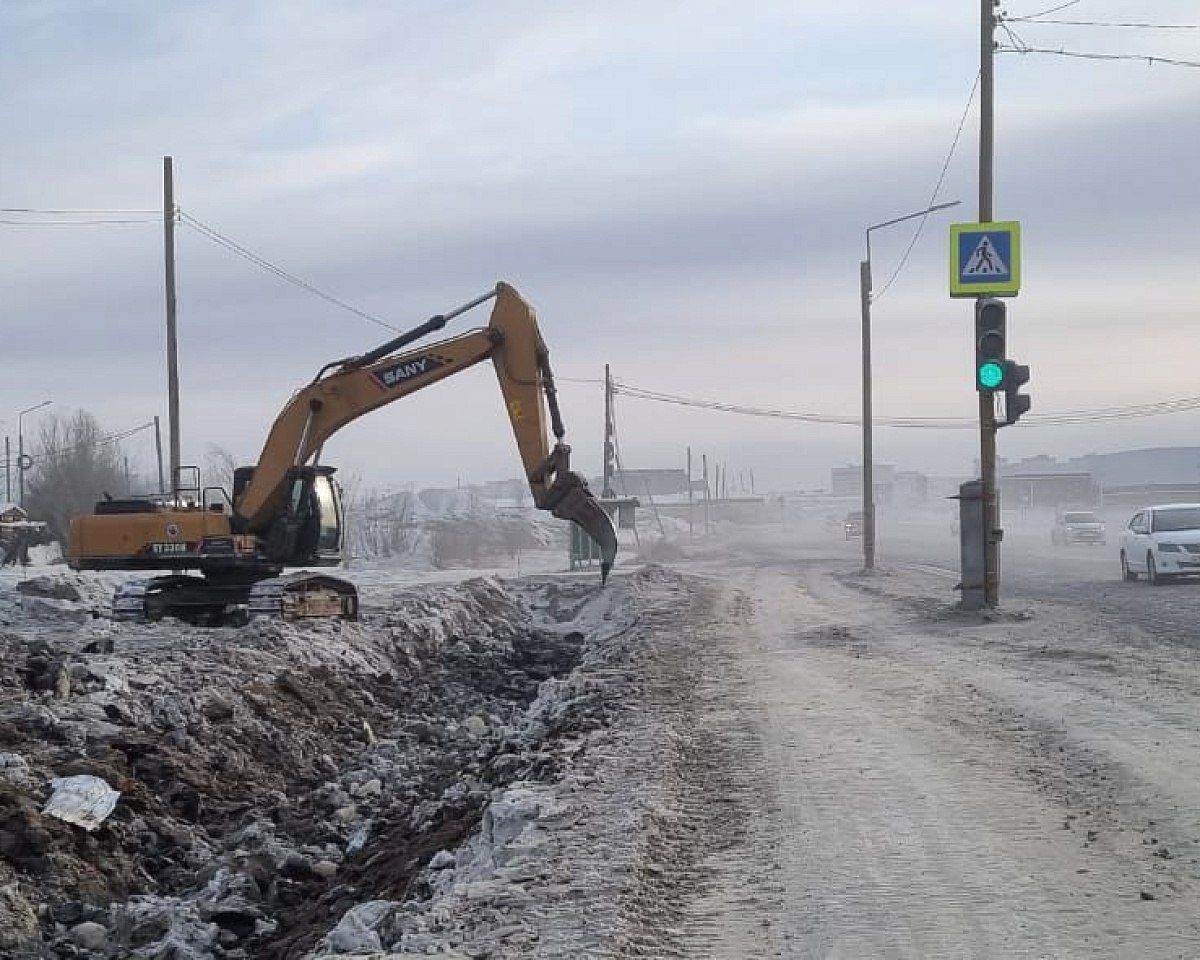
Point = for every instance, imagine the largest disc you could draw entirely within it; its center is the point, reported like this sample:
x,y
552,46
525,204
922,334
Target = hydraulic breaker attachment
x,y
569,498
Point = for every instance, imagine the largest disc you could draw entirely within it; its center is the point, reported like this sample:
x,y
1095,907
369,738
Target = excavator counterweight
x,y
286,510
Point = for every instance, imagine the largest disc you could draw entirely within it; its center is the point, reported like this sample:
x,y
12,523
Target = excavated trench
x,y
270,778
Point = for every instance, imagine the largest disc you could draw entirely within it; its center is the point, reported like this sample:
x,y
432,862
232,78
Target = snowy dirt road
x,y
868,774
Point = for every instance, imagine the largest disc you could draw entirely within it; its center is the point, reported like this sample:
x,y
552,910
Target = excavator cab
x,y
308,532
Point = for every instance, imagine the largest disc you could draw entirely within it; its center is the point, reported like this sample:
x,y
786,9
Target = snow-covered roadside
x,y
275,777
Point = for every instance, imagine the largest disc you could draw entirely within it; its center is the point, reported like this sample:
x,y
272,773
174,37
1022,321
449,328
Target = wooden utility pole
x,y
691,504
987,401
610,450
172,343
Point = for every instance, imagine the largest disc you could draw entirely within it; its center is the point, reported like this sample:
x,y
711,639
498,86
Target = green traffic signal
x,y
990,375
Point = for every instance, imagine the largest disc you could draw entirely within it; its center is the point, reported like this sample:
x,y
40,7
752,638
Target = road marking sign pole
x,y
985,259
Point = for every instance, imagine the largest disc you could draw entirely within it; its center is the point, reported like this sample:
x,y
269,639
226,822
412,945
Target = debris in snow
x,y
276,777
54,588
84,800
356,931
89,935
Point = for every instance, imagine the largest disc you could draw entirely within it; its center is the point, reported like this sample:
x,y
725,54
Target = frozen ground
x,y
754,752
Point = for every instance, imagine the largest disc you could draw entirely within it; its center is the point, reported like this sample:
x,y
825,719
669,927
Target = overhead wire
x,y
74,223
1017,44
222,240
1106,23
933,197
1056,9
73,213
102,441
1064,418
1150,59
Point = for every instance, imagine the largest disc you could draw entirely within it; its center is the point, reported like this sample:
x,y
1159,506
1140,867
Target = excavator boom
x,y
348,389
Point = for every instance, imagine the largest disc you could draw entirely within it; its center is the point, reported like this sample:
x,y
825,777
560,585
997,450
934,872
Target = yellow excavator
x,y
286,510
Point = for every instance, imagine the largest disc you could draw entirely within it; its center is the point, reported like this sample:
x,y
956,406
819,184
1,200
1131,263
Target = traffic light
x,y
990,322
1016,375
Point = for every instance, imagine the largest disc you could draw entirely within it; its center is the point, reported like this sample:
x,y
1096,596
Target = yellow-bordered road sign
x,y
985,259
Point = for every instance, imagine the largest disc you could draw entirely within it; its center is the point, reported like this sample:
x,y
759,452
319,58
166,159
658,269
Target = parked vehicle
x,y
1077,526
1162,543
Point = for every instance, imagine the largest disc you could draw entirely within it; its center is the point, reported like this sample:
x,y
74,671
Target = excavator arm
x,y
347,389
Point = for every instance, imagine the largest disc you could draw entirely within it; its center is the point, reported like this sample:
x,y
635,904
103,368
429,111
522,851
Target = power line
x,y
933,197
1087,55
638,393
1065,418
102,441
1046,13
72,213
221,240
74,223
1105,23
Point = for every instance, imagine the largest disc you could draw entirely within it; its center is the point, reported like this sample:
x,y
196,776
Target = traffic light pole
x,y
987,402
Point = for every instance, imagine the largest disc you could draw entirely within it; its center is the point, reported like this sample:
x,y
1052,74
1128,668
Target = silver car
x,y
1077,526
1161,543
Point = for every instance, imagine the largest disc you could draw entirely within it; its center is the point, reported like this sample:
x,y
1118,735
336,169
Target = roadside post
x,y
971,552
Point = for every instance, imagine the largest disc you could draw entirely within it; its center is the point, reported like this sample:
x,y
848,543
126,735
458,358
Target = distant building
x,y
847,482
651,482
1040,491
1127,477
1153,465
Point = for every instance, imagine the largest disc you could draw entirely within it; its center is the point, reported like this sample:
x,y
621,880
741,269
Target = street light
x,y
22,464
868,466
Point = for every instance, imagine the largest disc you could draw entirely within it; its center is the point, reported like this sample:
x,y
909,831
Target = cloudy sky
x,y
681,188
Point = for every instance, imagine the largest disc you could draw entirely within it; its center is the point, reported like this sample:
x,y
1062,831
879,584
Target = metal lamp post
x,y
868,465
21,464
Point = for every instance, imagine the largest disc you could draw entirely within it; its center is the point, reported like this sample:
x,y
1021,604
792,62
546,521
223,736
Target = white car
x,y
1162,542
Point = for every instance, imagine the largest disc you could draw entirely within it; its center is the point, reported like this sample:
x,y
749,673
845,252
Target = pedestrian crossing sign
x,y
985,259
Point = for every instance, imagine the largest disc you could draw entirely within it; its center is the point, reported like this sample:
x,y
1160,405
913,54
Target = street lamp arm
x,y
908,216
913,216
36,406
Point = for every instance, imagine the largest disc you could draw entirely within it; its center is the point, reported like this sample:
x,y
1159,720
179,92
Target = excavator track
x,y
297,596
193,600
304,596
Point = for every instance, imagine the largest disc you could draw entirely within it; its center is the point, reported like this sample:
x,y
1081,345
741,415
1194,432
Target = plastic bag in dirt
x,y
83,800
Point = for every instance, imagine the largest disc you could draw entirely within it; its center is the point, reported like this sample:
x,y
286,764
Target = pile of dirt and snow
x,y
276,783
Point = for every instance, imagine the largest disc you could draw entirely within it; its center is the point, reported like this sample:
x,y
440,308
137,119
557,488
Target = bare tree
x,y
74,465
378,524
219,465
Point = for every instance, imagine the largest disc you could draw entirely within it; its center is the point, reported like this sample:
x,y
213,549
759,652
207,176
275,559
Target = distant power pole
x,y
610,449
172,343
691,505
